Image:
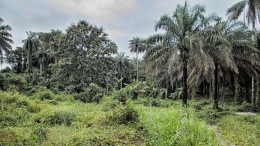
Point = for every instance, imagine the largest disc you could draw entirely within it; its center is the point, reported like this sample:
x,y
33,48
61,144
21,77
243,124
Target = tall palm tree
x,y
30,44
121,64
252,14
246,55
137,45
179,41
218,46
5,38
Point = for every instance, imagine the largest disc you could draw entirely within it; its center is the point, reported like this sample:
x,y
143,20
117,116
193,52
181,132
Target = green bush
x,y
14,116
47,95
124,114
93,93
12,82
30,90
84,97
123,94
245,107
39,133
53,118
34,108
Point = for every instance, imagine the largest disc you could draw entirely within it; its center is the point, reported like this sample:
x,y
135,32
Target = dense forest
x,y
202,68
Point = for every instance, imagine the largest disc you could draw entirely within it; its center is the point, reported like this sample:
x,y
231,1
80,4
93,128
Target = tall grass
x,y
168,126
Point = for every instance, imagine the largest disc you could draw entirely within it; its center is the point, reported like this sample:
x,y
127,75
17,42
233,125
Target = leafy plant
x,y
93,93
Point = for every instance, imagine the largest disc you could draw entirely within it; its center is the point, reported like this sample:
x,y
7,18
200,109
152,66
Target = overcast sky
x,y
122,19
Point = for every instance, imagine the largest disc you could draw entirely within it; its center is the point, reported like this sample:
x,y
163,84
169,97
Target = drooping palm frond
x,y
178,43
5,37
236,10
252,12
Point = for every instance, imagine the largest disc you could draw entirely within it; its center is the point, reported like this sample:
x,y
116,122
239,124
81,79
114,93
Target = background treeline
x,y
69,61
197,56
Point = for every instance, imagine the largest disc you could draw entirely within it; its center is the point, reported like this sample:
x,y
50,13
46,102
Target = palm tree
x,y
179,41
246,55
218,46
137,45
111,48
5,38
252,14
30,43
54,43
121,64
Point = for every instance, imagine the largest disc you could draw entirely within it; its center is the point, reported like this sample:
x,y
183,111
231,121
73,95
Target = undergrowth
x,y
45,118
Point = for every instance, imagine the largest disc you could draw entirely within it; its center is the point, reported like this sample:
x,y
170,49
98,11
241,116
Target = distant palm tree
x,y
111,48
121,64
30,43
5,38
137,45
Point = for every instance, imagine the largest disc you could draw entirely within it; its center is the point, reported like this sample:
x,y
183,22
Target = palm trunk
x,y
237,94
45,70
121,76
215,104
232,84
253,92
56,60
121,83
257,96
30,58
41,67
253,83
137,65
185,87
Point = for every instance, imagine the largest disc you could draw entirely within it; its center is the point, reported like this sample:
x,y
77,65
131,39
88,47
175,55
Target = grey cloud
x,y
122,19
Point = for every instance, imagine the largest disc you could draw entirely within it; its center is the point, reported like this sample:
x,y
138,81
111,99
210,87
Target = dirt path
x,y
246,113
221,141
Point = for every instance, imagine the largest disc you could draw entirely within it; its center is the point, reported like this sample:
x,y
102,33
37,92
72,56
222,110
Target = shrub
x,y
245,107
123,115
11,81
97,98
123,94
46,95
92,94
14,116
39,133
22,103
34,108
84,97
53,118
30,90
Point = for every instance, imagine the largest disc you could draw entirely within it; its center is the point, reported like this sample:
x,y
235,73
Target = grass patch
x,y
61,120
241,130
168,126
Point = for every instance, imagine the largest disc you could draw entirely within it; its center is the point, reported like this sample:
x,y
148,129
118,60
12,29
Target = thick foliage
x,y
93,93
